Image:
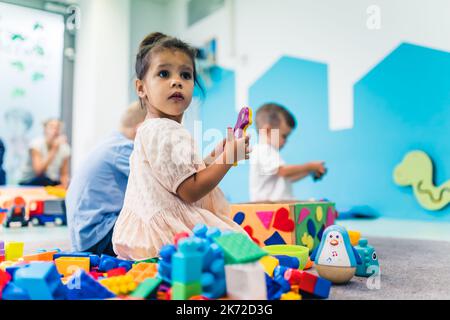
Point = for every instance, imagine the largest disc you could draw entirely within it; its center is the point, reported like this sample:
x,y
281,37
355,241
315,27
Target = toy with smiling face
x,y
335,257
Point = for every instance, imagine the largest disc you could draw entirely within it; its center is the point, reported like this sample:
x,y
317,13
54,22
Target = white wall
x,y
253,34
146,16
101,84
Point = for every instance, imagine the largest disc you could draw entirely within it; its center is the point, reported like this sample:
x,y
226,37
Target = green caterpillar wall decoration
x,y
416,170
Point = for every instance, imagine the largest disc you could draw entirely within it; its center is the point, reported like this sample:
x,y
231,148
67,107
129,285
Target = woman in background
x,y
48,160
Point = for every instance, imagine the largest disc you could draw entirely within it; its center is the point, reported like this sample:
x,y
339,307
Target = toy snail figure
x,y
335,258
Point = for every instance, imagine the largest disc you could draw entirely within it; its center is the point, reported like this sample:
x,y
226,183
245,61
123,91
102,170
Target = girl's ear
x,y
140,88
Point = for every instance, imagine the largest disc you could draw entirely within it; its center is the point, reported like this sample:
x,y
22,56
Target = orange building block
x,y
68,265
142,271
43,256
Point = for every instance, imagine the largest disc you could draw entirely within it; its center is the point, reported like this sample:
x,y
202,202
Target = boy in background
x,y
270,177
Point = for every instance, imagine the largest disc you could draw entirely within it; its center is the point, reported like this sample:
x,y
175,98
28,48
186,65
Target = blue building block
x,y
322,288
12,270
13,292
274,290
279,271
187,262
94,260
287,261
82,286
165,264
107,263
41,281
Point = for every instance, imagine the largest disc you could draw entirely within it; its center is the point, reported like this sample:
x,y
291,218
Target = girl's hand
x,y
236,149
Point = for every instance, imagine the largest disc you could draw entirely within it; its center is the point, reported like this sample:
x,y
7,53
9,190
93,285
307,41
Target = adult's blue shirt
x,y
96,193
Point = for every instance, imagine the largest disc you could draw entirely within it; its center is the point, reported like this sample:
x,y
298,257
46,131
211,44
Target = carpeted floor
x,y
410,269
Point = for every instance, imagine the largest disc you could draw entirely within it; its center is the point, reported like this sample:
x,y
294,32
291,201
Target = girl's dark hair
x,y
158,41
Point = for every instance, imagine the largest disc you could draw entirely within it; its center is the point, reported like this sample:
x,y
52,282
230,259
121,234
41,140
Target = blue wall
x,y
400,105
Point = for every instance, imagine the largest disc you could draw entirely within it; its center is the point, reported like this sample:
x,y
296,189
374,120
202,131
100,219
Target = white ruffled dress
x,y
164,156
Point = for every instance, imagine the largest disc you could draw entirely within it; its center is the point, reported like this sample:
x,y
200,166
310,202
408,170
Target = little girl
x,y
170,188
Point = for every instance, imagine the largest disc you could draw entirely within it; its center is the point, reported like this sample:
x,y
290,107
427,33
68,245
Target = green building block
x,y
151,260
239,248
182,291
146,288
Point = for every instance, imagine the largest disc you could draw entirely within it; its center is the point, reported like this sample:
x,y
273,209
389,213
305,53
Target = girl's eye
x,y
337,237
186,75
331,236
163,74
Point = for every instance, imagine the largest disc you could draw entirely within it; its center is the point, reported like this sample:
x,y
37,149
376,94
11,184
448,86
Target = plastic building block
x,y
120,285
147,288
238,248
151,260
279,271
213,269
2,251
180,236
68,265
43,256
287,261
245,281
299,252
13,292
82,286
5,278
13,251
354,237
94,260
116,272
187,262
142,271
107,263
369,257
291,296
309,264
269,264
275,288
182,291
41,281
165,264
322,288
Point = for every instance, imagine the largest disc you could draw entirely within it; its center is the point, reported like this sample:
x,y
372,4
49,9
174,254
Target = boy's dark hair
x,y
158,41
269,113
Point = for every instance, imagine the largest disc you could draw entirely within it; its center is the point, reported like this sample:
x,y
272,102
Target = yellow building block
x,y
13,251
269,264
142,271
7,264
68,265
354,237
120,285
291,296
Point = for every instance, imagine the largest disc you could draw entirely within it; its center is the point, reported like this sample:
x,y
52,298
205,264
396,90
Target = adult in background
x,y
95,195
48,159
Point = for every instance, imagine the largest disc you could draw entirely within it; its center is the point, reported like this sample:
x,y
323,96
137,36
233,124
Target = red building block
x,y
180,236
307,282
116,272
5,277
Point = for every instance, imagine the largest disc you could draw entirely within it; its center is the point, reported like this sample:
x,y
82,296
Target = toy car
x,y
16,214
48,211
